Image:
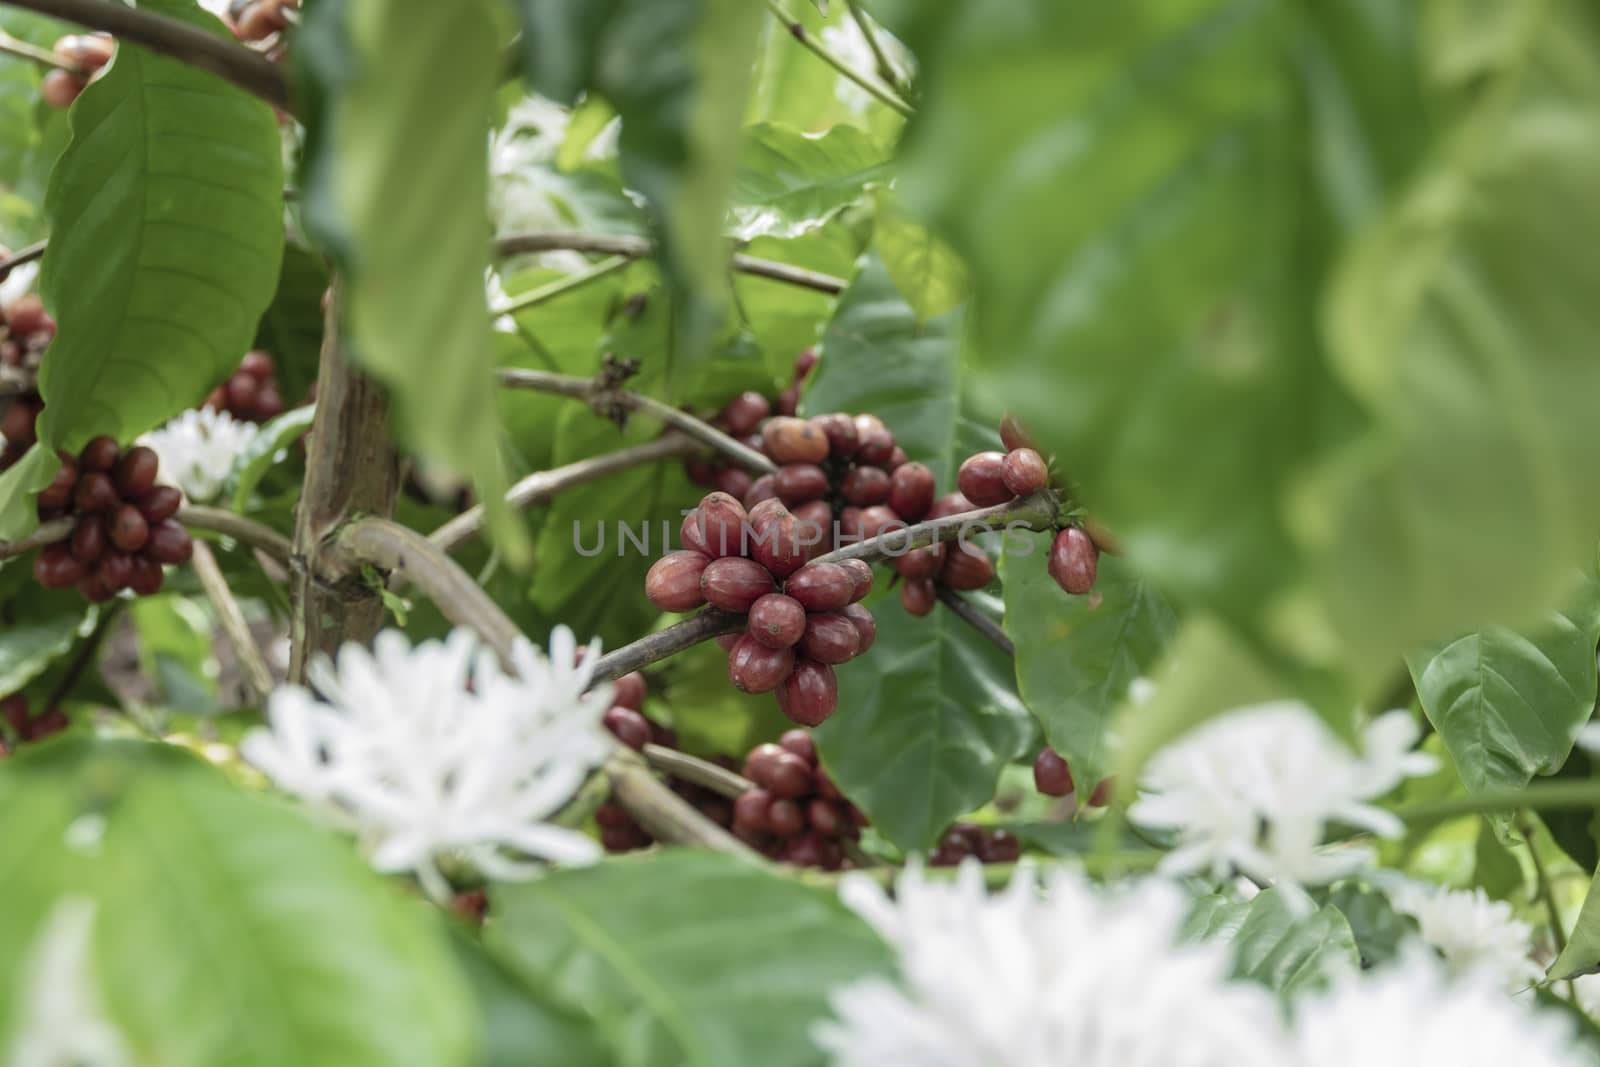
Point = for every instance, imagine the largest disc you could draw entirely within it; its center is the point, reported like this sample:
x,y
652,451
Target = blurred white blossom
x,y
1255,790
1037,976
435,750
1472,932
1414,1013
17,284
848,43
59,1020
198,449
526,191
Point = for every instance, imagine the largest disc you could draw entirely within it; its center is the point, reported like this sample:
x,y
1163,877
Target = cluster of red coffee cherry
x,y
794,635
26,726
124,530
1053,778
795,814
26,329
742,417
88,54
988,843
251,393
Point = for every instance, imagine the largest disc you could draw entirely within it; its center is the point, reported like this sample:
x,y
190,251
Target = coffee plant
x,y
858,533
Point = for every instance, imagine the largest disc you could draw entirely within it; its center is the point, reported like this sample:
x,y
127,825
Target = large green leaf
x,y
291,328
1509,704
790,182
927,271
1277,942
1582,954
29,646
926,722
1076,656
396,184
516,1023
166,217
685,959
228,930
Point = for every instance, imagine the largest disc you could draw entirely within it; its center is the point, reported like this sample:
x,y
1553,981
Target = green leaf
x,y
18,486
228,929
386,141
166,213
1378,929
253,463
790,182
1494,868
28,647
661,949
1577,832
515,1022
1076,656
925,724
291,328
1276,942
1582,954
927,271
1509,704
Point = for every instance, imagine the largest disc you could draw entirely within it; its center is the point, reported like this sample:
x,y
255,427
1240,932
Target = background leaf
x,y
790,182
1277,942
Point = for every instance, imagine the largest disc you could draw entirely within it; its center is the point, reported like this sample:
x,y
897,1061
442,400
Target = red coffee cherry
x,y
631,728
779,771
129,530
966,568
1012,435
897,459
612,815
701,471
924,562
850,525
1073,561
692,534
56,568
861,571
95,492
755,668
821,586
628,691
673,583
745,412
241,390
777,621
115,569
775,542
734,481
269,402
147,576
726,641
830,638
17,424
804,362
814,522
58,494
866,424
750,811
911,490
876,448
169,543
766,510
100,454
763,488
791,440
734,583
1024,472
135,473
88,540
1100,796
788,401
982,479
93,589
948,505
809,695
797,483
999,846
1051,776
258,364
825,817
918,596
801,744
786,818
866,626
827,790
879,519
59,88
722,519
865,486
159,503
840,430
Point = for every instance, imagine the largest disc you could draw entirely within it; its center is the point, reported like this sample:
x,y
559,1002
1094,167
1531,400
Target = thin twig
x,y
514,244
886,69
798,32
199,48
1037,512
42,56
697,771
663,643
543,486
663,813
565,285
603,397
85,655
1542,880
254,668
1576,794
245,531
47,533
21,256
976,619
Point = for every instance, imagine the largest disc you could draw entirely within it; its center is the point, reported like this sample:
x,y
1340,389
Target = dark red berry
x,y
777,621
624,838
269,403
825,817
1024,472
850,525
779,771
750,811
88,541
95,590
162,502
1051,776
18,423
861,571
56,568
865,486
100,454
799,482
95,492
788,401
1000,846
58,494
722,522
830,638
727,641
763,488
136,472
866,626
821,586
923,562
628,691
745,412
879,519
129,530
1100,796
791,440
701,471
966,567
613,815
631,728
813,521
775,541
982,479
840,431
755,668
918,596
948,505
804,362
258,364
169,543
734,583
1073,561
800,743
1012,435
824,786
734,481
876,448
673,583
147,576
786,818
51,722
897,459
810,694
115,569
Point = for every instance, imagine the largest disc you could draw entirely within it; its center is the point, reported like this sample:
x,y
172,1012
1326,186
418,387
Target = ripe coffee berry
x,y
810,694
791,440
1051,776
778,771
777,621
734,583
865,486
966,567
755,668
628,691
911,491
1074,561
866,626
924,562
797,483
1024,472
981,479
918,596
989,845
630,727
830,638
251,393
1012,435
745,412
673,582
822,586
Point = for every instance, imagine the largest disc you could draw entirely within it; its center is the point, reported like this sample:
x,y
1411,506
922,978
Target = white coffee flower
x,y
1255,790
1034,978
1587,988
526,191
17,284
198,449
59,1021
1471,931
1413,1013
848,43
435,750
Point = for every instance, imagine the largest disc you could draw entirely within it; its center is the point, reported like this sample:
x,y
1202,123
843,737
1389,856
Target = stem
x,y
606,398
42,56
879,92
1538,796
976,619
513,244
256,675
565,285
998,875
663,643
1037,512
21,255
1542,880
666,815
543,486
392,547
697,771
188,44
85,655
47,533
886,69
245,531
